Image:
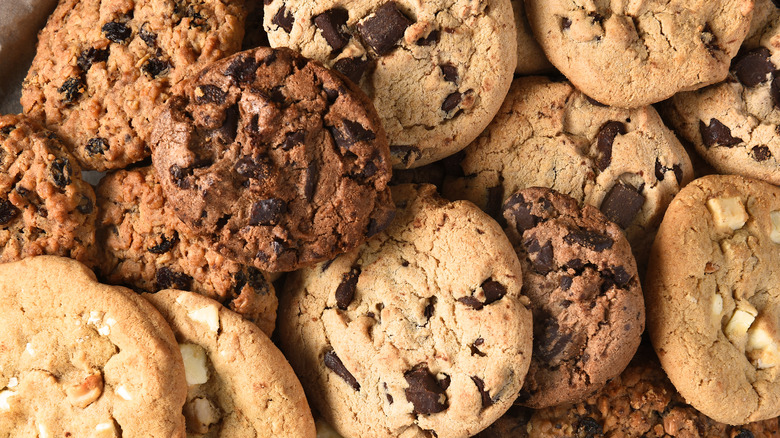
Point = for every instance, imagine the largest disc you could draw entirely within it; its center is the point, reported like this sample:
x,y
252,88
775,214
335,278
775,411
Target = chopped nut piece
x,y
207,315
199,414
728,212
105,430
195,369
774,219
5,405
83,394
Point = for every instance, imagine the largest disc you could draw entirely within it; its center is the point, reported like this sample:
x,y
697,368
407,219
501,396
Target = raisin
x,y
61,172
116,31
96,146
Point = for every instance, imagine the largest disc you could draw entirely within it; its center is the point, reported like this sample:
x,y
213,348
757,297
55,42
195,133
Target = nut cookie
x,y
581,279
713,297
633,53
625,162
104,67
239,383
437,71
145,246
83,359
420,332
274,160
45,206
530,56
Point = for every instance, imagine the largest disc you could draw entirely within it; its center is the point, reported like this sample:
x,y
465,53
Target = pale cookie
x,y
239,383
629,53
420,332
82,359
624,162
437,71
713,297
530,56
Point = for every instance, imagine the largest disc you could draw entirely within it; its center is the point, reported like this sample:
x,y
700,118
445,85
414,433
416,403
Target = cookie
x,y
45,206
764,11
734,125
239,383
630,54
530,56
273,159
640,402
83,359
420,332
436,71
103,68
625,162
146,247
713,297
581,279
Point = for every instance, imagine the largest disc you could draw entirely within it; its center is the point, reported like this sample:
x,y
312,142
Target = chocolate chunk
x,y
86,206
293,138
475,348
431,39
424,391
312,177
587,427
605,139
774,91
284,19
486,400
155,67
518,210
61,172
761,153
267,212
334,363
451,102
178,176
97,145
252,277
168,279
165,245
678,173
352,68
494,200
445,381
209,94
243,69
332,23
116,31
621,276
71,90
717,134
91,56
376,226
430,307
565,23
405,154
258,169
753,67
383,30
226,133
387,394
622,204
345,292
471,302
7,211
566,282
659,170
493,290
147,36
589,239
551,342
450,72
541,255
350,133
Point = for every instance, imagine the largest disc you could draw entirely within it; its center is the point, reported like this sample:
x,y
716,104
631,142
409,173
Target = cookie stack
x,y
440,244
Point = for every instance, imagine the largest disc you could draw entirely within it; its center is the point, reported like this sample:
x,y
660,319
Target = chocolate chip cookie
x,y
239,383
437,71
581,279
82,359
45,206
530,56
275,160
713,297
629,54
104,67
145,246
624,162
420,332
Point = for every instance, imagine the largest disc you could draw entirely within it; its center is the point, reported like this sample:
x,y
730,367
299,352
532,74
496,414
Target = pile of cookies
x,y
390,218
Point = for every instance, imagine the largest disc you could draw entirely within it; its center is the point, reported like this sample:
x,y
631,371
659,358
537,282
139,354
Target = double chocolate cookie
x,y
274,160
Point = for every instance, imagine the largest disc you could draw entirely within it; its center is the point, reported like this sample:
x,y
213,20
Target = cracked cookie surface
x,y
420,331
239,383
437,71
144,245
104,67
582,282
713,297
634,53
84,359
274,160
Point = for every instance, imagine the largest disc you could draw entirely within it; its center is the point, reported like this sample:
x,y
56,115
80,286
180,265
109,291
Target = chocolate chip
x,y
475,348
493,290
352,68
551,342
7,211
450,72
717,134
430,307
61,172
96,146
753,67
471,302
486,400
744,433
155,67
149,37
91,56
331,95
331,23
405,154
589,239
678,173
376,226
605,139
541,255
267,212
621,276
451,102
659,170
334,363
226,133
284,19
169,279
116,31
387,394
622,204
761,153
774,91
258,168
243,69
71,89
165,245
209,94
494,200
565,23
518,212
431,39
86,206
383,30
587,427
252,277
350,133
566,282
345,291
424,391
292,139
312,177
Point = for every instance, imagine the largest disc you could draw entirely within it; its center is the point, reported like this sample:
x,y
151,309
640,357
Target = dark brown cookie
x,y
45,206
275,160
587,303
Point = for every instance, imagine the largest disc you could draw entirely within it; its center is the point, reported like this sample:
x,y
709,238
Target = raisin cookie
x,y
275,160
104,67
239,383
735,125
586,299
45,206
625,162
633,53
420,332
437,71
713,297
144,246
82,359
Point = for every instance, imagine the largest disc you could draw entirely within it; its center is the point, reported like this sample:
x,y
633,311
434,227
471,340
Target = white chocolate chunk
x,y
774,219
43,431
762,347
29,349
208,315
104,331
95,317
123,392
83,394
738,325
717,305
105,430
195,369
200,414
13,382
5,404
728,213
